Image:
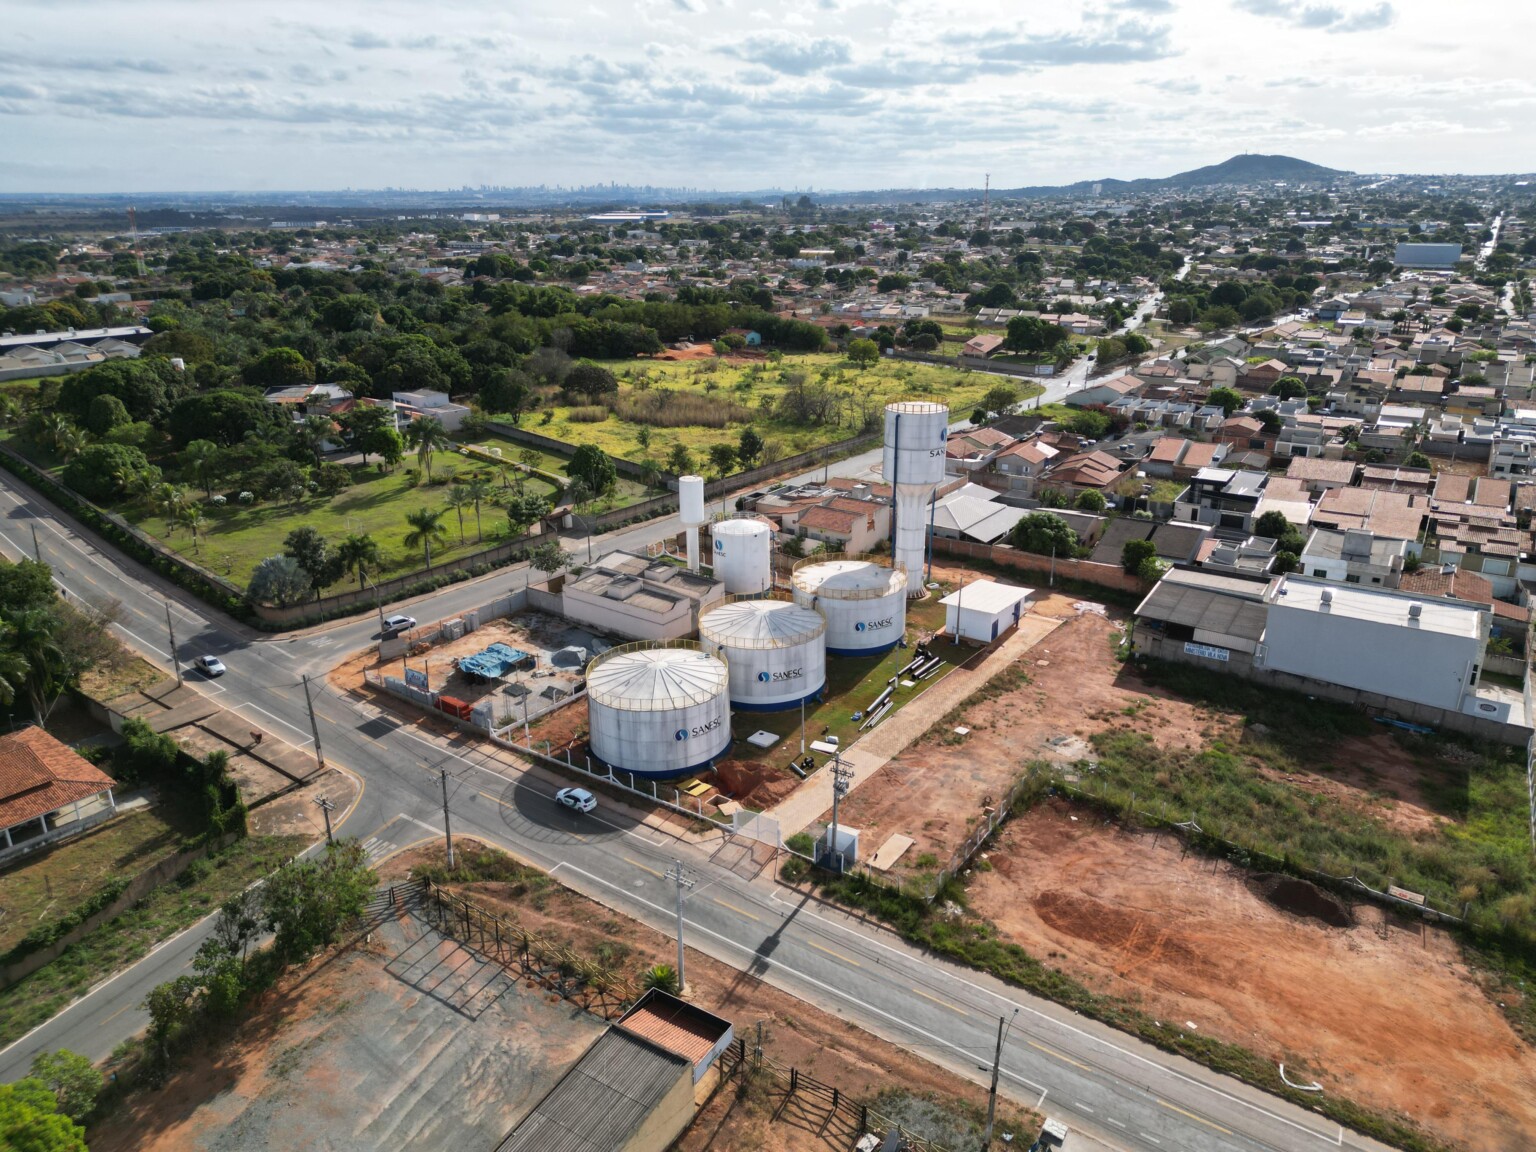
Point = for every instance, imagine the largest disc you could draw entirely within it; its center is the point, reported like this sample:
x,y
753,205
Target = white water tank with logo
x,y
863,598
916,435
743,556
775,649
658,709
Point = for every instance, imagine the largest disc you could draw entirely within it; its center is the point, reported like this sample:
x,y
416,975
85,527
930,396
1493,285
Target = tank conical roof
x,y
761,624
654,679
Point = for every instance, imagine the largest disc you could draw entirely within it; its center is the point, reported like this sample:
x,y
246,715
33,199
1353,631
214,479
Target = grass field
x,y
119,943
757,387
48,886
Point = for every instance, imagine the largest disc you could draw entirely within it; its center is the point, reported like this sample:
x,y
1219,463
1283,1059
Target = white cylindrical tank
x,y
775,649
863,598
916,433
658,709
690,500
743,556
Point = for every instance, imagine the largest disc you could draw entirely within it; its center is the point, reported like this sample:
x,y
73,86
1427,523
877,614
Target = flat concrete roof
x,y
1359,603
988,596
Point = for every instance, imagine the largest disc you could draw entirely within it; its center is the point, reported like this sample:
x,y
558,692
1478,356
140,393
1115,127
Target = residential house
x,y
47,790
1019,467
1320,475
1095,471
1102,394
973,450
1222,497
1354,556
1244,433
412,406
982,346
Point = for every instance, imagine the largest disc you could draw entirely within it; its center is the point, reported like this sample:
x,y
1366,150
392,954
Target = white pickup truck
x,y
1053,1135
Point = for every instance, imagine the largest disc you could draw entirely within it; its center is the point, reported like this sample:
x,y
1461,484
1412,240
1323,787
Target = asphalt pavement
x,y
1126,1094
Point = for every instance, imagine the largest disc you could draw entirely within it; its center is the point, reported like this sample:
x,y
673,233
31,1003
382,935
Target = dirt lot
x,y
403,1041
794,1033
1395,1021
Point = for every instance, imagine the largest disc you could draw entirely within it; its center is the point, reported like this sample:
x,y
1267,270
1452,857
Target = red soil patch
x,y
1395,1021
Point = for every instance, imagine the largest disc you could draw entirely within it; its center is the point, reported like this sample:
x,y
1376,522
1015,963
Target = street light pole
x,y
314,728
171,628
997,1068
683,880
447,830
841,779
326,807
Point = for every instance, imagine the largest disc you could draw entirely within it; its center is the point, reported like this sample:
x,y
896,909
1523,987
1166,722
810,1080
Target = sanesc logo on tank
x,y
696,730
871,625
780,677
719,545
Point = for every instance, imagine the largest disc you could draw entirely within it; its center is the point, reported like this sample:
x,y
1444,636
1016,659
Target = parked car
x,y
394,625
578,799
210,666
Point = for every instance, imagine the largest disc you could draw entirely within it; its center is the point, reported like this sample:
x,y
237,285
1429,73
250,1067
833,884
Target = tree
x,y
1229,399
170,1007
278,368
1044,533
313,433
71,1078
223,415
1090,500
1289,388
1151,569
524,510
1272,524
199,459
306,903
863,352
459,498
426,530
662,976
722,460
749,448
1417,460
362,426
312,552
1032,335
643,437
426,434
1088,424
29,1121
34,638
680,460
102,472
1000,399
1135,553
591,381
507,392
1270,419
1285,561
357,553
278,580
480,490
550,558
591,465
105,413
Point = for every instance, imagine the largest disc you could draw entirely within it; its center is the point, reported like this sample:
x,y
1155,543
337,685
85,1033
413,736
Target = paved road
x,y
1126,1094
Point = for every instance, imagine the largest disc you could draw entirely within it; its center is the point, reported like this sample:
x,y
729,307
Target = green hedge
x,y
45,934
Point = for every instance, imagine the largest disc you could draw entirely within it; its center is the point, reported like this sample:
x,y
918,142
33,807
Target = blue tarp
x,y
494,662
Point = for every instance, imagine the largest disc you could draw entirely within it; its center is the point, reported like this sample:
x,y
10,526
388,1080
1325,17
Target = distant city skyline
x,y
838,95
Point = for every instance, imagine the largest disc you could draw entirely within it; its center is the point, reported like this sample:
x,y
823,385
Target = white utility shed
x,y
984,609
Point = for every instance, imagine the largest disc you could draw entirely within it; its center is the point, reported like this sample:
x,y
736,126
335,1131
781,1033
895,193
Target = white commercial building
x,y
1404,647
984,609
642,599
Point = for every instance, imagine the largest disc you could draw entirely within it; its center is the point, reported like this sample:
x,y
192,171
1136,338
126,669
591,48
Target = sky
x,y
267,95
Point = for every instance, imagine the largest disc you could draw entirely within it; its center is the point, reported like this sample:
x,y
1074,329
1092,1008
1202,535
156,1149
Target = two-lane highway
x,y
1126,1093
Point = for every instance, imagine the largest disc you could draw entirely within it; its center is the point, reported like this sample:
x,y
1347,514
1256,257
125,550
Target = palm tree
x,y
53,426
198,458
68,440
140,483
33,640
650,474
190,517
170,499
427,435
13,668
426,530
10,411
480,490
360,552
458,499
314,432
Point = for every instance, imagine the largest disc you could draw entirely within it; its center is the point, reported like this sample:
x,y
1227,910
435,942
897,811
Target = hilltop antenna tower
x,y
986,205
133,228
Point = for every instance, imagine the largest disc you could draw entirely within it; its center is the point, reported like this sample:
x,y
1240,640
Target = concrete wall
x,y
614,616
1107,575
1406,664
668,1119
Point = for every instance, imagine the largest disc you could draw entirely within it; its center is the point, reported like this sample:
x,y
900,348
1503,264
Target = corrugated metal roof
x,y
602,1100
1226,606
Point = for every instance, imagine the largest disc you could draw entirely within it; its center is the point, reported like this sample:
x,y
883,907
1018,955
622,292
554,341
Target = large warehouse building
x,y
1427,255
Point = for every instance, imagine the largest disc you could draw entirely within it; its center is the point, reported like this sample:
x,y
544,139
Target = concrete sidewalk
x,y
872,752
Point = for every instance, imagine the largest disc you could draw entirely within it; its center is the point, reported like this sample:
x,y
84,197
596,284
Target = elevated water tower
x,y
916,432
690,510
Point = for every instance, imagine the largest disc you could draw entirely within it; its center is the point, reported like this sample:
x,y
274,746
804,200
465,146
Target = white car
x,y
394,625
210,666
576,798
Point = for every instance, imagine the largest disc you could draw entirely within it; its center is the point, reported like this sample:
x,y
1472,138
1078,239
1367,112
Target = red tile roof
x,y
39,775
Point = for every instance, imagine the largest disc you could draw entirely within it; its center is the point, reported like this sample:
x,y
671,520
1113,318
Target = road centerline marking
x,y
1059,1056
838,955
941,1003
643,868
732,907
1197,1119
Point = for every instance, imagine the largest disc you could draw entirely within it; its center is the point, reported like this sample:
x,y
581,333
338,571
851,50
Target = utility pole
x,y
314,728
997,1068
37,551
841,779
447,830
683,880
802,725
171,628
327,807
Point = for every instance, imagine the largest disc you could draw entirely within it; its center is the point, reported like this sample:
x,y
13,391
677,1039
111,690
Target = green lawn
x,y
757,387
48,886
159,916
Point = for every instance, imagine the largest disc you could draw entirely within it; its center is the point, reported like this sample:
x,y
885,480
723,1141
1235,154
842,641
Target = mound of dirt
x,y
1302,898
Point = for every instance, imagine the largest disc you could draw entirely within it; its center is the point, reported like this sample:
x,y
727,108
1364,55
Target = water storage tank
x,y
916,433
690,500
863,598
743,556
658,709
775,649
